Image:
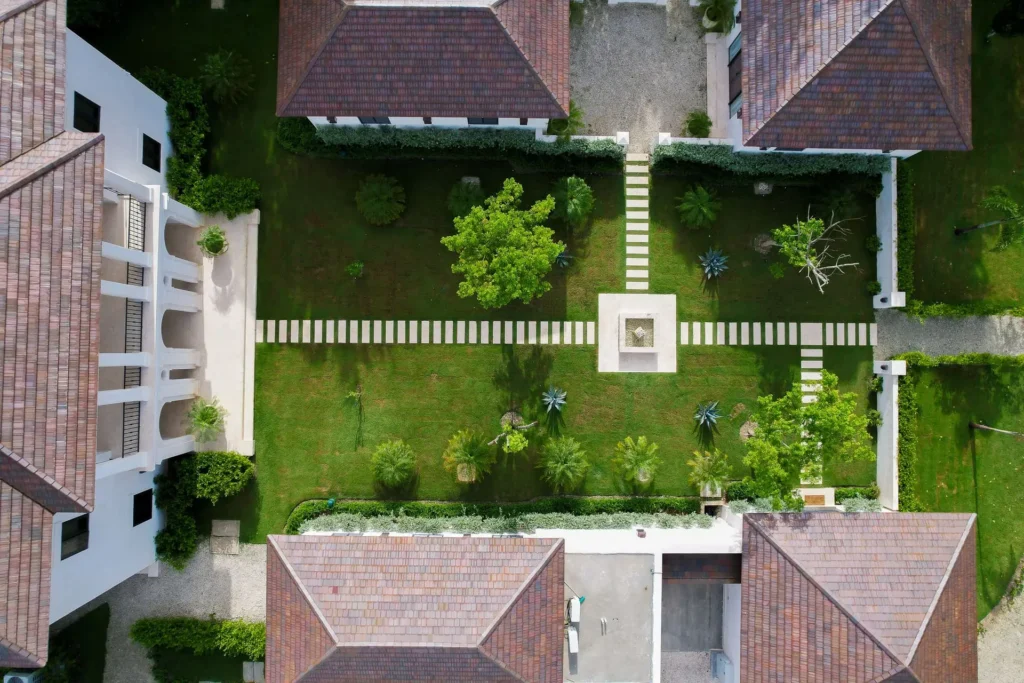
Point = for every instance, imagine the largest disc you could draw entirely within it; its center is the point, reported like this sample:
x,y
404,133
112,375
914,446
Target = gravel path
x,y
1000,655
899,333
230,586
639,68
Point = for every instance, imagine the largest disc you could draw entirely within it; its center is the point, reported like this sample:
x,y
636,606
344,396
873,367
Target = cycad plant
x,y
574,200
564,464
564,259
226,76
636,461
713,261
707,415
468,456
709,470
553,399
393,463
698,208
205,419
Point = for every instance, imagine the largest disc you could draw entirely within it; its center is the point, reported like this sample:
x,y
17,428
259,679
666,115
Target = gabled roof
x,y
859,598
51,212
857,74
475,58
452,609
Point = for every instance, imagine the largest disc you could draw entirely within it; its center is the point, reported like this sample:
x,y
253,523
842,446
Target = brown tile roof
x,y
857,74
51,212
360,58
452,609
858,597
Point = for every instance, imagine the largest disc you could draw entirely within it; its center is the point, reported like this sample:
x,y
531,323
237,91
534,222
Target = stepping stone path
x,y
544,332
224,537
697,333
638,182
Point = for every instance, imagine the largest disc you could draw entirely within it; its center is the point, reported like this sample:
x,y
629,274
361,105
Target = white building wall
x,y
885,227
116,551
732,595
887,454
435,122
128,110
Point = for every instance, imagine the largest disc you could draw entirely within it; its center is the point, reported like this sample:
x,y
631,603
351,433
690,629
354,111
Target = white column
x,y
133,256
119,289
110,397
887,457
124,360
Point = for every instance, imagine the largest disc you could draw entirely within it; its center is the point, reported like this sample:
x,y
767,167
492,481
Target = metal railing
x,y
131,412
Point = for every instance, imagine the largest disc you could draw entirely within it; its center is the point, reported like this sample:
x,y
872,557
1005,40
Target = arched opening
x,y
180,330
173,422
180,241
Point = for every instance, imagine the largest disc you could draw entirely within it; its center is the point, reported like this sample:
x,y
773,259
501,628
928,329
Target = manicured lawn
x,y
965,470
949,185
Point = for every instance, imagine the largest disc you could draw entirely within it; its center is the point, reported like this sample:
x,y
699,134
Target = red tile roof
x,y
51,194
359,58
857,74
453,609
858,598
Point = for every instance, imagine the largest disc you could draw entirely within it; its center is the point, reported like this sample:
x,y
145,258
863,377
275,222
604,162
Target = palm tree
x,y
976,425
564,464
637,461
709,471
574,200
393,463
698,208
226,76
468,456
999,200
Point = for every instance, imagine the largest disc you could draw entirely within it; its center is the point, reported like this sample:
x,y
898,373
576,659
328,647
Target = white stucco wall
x,y
128,110
436,122
887,454
731,600
885,228
116,549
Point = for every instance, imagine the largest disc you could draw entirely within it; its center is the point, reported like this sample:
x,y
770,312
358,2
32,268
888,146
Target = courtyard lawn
x,y
965,470
747,291
949,185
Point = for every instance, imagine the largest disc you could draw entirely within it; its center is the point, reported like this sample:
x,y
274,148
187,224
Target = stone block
x,y
224,545
225,527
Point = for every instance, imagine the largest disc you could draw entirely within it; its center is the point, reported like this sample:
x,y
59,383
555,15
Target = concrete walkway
x,y
229,586
638,178
425,332
1000,655
899,333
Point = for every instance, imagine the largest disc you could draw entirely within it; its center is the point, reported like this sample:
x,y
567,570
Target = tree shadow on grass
x,y
522,377
984,394
406,491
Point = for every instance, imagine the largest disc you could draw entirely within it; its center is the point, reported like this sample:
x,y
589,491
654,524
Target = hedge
x,y
767,164
233,638
906,222
845,492
311,509
519,147
190,124
906,445
527,523
921,309
220,474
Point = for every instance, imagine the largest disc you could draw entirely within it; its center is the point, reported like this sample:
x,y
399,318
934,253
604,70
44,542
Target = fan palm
x,y
564,464
709,469
574,200
226,76
468,456
393,463
698,208
637,461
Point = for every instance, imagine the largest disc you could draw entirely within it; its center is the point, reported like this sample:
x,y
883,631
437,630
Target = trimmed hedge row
x,y
845,492
232,638
311,509
767,164
527,523
519,147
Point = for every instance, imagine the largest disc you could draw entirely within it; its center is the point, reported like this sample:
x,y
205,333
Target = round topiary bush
x,y
698,124
464,196
212,241
380,199
393,463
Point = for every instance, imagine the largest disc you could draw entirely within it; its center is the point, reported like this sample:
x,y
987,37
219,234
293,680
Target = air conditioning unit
x,y
24,676
574,641
574,611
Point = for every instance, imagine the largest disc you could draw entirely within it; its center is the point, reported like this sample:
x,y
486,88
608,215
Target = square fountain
x,y
636,333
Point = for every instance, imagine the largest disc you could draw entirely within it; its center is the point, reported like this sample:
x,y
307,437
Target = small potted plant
x,y
212,241
719,15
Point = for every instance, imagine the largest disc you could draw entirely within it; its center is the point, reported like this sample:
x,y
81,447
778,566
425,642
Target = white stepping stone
x,y
293,331
472,331
556,332
816,376
840,334
720,334
810,388
364,333
811,353
637,169
709,333
460,332
757,334
634,238
318,331
780,334
769,334
332,326
414,332
830,334
495,331
531,332
545,337
809,398
566,333
636,191
282,331
637,156
591,333
449,332
259,331
636,285
520,332
744,334
271,332
637,274
811,365
696,334
389,332
638,215
811,334
873,332
485,332
634,261
637,227
353,331
732,333
636,180
641,251
378,331
851,334
684,334
637,204
307,331
862,334
578,335
401,331
508,338
436,333
793,327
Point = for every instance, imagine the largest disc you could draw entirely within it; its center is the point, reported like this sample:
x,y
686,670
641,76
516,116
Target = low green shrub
x,y
220,474
505,525
212,241
234,638
567,127
518,147
380,199
920,309
311,509
859,504
697,124
844,492
906,445
873,243
741,490
463,197
767,164
393,463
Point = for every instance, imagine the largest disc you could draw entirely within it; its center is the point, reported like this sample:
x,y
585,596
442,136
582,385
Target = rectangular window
x,y
74,536
142,507
524,122
735,46
151,153
483,122
87,114
332,119
374,119
736,106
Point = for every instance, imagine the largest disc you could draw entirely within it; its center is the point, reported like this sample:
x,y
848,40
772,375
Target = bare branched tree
x,y
809,245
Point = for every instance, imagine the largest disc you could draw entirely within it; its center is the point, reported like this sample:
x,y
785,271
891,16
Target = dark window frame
x,y
428,120
524,122
142,507
74,536
152,146
482,121
82,118
380,120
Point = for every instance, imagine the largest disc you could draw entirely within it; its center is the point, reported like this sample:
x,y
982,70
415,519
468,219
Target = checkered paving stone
x,y
449,332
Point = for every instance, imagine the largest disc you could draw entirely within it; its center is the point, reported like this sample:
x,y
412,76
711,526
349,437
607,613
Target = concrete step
x,y
640,275
636,191
636,168
636,249
634,156
636,204
810,353
636,179
637,262
636,285
636,227
637,215
641,238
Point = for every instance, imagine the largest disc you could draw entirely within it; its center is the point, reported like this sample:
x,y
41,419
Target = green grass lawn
x,y
949,185
965,470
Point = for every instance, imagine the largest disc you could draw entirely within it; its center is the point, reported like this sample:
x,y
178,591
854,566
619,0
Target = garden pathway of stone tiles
x,y
575,332
638,178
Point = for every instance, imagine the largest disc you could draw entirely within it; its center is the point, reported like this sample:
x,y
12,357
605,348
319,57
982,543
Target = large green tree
x,y
504,252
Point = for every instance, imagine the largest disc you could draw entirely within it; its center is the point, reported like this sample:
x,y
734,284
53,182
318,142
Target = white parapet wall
x,y
885,226
887,456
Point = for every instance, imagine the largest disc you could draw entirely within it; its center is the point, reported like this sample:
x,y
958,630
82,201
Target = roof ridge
x,y
519,49
345,7
17,9
560,542
942,586
302,589
885,5
17,182
828,595
14,648
935,74
63,499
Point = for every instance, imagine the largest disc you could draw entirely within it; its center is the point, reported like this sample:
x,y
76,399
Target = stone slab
x,y
636,285
389,332
840,334
630,168
225,527
496,331
556,332
809,398
780,334
460,332
637,204
400,327
224,545
353,331
545,332
811,353
637,238
591,333
378,331
485,332
744,334
364,331
757,334
810,375
424,332
293,331
696,333
507,336
794,329
635,261
709,333
578,333
637,227
636,180
851,334
636,274
638,215
642,251
567,332
636,191
307,331
520,332
769,334
684,334
449,331
732,334
435,333
862,334
811,365
318,331
637,156
531,332
873,334
830,334
271,332
720,334
259,331
471,331
331,329
414,332
811,334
